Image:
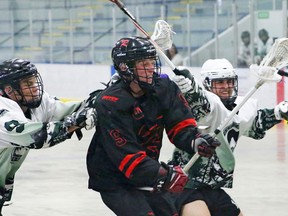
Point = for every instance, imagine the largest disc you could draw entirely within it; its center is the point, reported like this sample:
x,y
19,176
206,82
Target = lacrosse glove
x,y
185,81
205,145
84,117
281,111
170,178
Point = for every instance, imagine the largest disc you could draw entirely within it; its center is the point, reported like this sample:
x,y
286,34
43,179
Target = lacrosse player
x,y
204,194
31,119
132,114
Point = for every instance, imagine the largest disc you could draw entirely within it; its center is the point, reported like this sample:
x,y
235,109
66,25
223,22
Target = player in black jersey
x,y
132,115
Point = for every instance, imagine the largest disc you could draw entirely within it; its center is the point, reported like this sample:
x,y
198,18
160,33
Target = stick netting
x,y
278,54
163,35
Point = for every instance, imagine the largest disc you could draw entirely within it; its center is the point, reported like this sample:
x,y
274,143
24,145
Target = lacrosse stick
x,y
269,70
161,33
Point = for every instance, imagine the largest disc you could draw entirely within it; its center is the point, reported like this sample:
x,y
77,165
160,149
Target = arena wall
x,y
77,81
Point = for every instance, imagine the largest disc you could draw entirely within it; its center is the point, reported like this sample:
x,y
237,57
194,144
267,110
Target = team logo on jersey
x,y
137,113
9,126
232,132
110,98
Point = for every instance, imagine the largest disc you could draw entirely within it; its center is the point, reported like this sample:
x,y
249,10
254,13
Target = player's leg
x,y
162,203
191,202
196,208
2,198
220,203
5,167
9,184
206,202
127,202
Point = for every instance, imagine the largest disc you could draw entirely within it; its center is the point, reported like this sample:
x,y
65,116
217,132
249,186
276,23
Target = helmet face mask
x,y
219,77
134,58
21,82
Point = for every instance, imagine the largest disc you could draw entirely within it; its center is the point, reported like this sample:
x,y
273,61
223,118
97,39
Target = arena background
x,y
70,42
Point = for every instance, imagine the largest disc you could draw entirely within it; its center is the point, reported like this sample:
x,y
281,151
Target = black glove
x,y
205,145
170,178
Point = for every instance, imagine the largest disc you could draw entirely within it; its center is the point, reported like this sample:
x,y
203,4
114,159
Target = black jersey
x,y
125,148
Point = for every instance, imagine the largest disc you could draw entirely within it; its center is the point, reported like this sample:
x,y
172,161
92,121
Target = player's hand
x,y
281,111
205,145
170,178
84,117
183,83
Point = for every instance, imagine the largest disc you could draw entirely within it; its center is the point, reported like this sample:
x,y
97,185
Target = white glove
x,y
183,83
84,117
266,73
281,111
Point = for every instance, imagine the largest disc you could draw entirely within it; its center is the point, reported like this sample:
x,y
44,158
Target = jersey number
x,y
14,124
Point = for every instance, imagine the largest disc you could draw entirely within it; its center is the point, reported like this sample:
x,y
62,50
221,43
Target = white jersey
x,y
18,134
209,110
244,57
263,49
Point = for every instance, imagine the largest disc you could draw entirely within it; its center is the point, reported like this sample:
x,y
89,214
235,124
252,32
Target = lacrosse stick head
x,y
163,35
276,59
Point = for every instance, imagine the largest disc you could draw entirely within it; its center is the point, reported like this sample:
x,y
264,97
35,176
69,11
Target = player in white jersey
x,y
204,194
31,119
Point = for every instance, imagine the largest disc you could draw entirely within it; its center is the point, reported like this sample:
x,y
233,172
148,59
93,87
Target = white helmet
x,y
217,69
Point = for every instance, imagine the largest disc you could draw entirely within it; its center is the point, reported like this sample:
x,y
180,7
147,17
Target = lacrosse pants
x,y
218,201
124,202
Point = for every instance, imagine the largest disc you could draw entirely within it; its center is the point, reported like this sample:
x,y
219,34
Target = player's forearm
x,y
33,134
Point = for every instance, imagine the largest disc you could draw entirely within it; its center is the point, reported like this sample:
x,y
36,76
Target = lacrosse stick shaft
x,y
283,73
138,26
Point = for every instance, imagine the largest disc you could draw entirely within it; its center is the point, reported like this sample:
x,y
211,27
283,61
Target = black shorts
x,y
135,202
218,201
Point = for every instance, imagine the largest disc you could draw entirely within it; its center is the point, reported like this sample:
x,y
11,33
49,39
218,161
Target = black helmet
x,y
129,50
13,71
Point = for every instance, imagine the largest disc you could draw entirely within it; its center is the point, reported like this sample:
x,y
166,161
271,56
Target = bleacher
x,y
84,31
